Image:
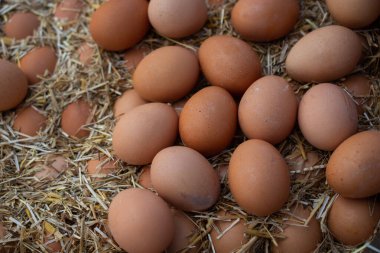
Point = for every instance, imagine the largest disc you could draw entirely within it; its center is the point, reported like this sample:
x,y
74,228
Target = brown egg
x,y
325,54
119,24
29,121
258,178
69,10
144,178
166,74
183,177
100,168
359,86
225,238
126,102
353,13
75,117
268,110
139,135
21,25
140,221
229,63
134,55
86,54
13,85
327,116
353,170
37,62
353,221
178,106
299,237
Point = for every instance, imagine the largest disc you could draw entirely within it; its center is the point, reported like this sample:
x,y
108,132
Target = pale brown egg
x,y
38,62
183,177
29,121
134,56
21,25
126,102
75,117
144,178
258,177
119,24
229,63
100,167
86,54
68,10
152,227
353,221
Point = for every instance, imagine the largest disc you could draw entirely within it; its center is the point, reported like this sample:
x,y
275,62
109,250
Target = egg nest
x,y
72,206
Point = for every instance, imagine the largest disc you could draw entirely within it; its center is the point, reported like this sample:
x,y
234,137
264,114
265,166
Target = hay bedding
x,y
72,206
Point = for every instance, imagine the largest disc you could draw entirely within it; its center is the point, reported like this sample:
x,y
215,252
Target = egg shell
x,y
134,56
327,116
37,62
144,178
119,24
354,13
21,25
268,110
177,18
323,55
258,178
68,10
13,85
298,236
140,221
353,170
229,63
183,177
86,54
29,121
353,221
208,120
233,238
98,167
74,118
167,74
265,20
126,102
145,130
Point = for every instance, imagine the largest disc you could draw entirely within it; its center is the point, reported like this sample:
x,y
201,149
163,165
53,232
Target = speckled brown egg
x,y
86,54
268,110
75,117
37,62
134,56
145,130
29,121
229,63
100,167
353,221
324,55
126,102
360,87
21,25
144,177
177,18
13,85
265,20
258,177
140,221
166,74
353,170
354,13
327,116
208,120
183,177
68,10
119,24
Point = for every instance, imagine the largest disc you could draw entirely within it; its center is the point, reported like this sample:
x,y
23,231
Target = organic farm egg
x,y
29,121
21,25
74,118
126,102
68,10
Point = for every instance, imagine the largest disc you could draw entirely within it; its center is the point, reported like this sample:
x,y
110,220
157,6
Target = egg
x,y
68,10
86,53
208,121
299,236
183,177
229,63
119,24
353,169
126,102
228,233
134,56
152,227
353,221
100,168
145,130
327,116
177,18
75,117
13,85
359,86
268,110
144,178
258,177
21,25
353,13
324,55
37,62
29,121
264,20
167,74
